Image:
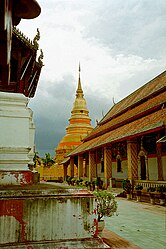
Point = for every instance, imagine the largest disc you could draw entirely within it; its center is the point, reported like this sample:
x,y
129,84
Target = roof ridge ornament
x,y
40,58
20,35
113,100
36,39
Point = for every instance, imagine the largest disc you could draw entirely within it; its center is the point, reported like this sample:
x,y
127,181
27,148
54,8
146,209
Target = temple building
x,y
79,127
129,141
24,202
19,75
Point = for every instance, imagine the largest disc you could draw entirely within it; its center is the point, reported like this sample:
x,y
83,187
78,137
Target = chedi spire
x,y
79,125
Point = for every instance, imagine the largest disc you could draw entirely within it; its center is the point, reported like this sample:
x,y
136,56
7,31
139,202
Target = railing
x,y
146,184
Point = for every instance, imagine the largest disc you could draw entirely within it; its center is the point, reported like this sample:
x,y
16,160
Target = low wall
x,y
45,215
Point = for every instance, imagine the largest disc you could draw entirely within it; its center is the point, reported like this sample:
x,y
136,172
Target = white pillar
x,y
31,139
15,141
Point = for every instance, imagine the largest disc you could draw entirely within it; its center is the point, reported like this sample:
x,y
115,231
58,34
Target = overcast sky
x,y
121,45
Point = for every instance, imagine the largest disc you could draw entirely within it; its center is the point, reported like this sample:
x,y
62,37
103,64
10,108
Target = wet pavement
x,y
140,223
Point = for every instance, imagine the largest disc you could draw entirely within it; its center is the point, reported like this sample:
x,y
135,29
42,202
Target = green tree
x,y
48,161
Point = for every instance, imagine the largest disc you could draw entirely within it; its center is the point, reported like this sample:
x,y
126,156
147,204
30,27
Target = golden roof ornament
x,y
40,58
36,39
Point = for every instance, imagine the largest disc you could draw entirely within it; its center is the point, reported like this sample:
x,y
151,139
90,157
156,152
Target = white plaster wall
x,y
46,219
120,175
14,120
99,173
164,167
31,137
7,231
153,168
16,134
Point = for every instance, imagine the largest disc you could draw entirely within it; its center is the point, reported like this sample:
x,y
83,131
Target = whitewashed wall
x,y
120,175
16,138
164,167
153,168
46,219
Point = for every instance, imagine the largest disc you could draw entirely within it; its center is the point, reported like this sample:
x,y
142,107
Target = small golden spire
x,y
79,91
79,68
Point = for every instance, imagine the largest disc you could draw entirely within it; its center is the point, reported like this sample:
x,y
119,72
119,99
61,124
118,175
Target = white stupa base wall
x,y
16,139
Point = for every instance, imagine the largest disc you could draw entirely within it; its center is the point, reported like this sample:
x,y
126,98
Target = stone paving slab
x,y
141,223
116,242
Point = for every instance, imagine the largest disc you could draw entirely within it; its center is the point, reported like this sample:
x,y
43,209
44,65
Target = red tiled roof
x,y
140,94
134,113
155,120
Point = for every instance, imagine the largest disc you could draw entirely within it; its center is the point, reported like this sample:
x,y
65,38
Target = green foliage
x,y
106,204
97,181
138,187
93,182
48,161
36,159
79,181
69,179
73,179
127,186
86,183
151,189
161,189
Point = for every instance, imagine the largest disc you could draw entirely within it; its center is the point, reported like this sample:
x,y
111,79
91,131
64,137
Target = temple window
x,y
119,165
149,143
102,166
118,160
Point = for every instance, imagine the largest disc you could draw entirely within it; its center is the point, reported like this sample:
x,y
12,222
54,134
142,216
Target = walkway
x,y
140,223
114,241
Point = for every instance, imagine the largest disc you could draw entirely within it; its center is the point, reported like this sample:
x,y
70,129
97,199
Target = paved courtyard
x,y
141,223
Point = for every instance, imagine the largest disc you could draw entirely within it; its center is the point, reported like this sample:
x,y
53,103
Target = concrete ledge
x,y
68,244
42,190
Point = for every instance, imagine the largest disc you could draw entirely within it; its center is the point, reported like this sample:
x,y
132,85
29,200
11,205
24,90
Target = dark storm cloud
x,y
52,107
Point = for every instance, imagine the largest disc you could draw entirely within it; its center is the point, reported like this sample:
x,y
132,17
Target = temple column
x,y
132,160
64,171
107,165
86,172
31,140
92,165
80,166
71,166
159,162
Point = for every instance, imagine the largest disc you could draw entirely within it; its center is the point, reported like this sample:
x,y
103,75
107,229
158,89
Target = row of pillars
x,y
92,171
134,166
